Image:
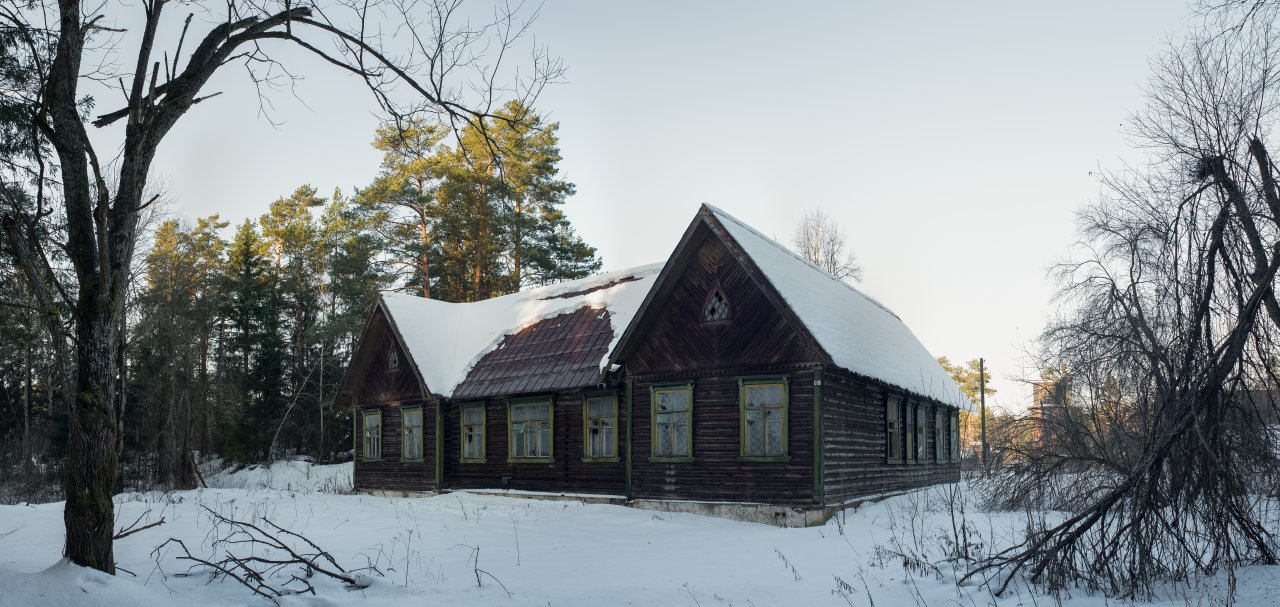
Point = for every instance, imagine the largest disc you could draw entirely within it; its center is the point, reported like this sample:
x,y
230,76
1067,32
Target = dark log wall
x,y
371,380
716,474
390,473
378,385
567,473
855,462
756,334
756,340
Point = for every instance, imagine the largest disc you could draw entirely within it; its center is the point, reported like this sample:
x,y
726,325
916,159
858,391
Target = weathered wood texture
x,y
391,472
855,456
370,378
716,474
382,378
677,341
567,473
679,346
562,352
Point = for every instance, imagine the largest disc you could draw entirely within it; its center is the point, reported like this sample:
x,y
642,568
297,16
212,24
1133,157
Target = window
x,y
893,429
393,359
763,403
530,430
672,418
909,415
473,433
939,431
955,435
922,428
716,308
601,427
372,435
411,442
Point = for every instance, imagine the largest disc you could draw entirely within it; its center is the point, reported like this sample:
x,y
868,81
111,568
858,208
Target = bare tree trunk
x,y
26,413
425,261
320,403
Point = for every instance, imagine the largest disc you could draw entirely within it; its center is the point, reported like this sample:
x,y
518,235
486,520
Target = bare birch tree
x,y
822,241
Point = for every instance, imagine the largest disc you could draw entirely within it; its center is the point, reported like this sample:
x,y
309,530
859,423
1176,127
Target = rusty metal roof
x,y
553,354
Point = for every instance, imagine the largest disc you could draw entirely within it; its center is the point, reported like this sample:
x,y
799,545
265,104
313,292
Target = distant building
x,y
1048,411
735,375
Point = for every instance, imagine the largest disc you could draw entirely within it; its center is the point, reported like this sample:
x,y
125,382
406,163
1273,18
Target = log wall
x,y
567,473
716,472
855,455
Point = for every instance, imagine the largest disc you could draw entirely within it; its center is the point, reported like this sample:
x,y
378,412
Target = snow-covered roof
x,y
446,339
858,332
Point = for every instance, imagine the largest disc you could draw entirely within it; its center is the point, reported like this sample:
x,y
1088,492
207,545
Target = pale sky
x,y
953,141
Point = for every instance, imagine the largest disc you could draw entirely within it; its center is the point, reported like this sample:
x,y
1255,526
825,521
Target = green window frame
x,y
471,420
893,429
371,445
600,428
763,404
939,431
922,432
955,435
671,422
909,431
529,425
411,434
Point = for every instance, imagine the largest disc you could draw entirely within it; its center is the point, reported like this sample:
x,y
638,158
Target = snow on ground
x,y
560,553
283,475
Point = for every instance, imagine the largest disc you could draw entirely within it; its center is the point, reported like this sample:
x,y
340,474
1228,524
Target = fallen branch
x,y
134,528
271,550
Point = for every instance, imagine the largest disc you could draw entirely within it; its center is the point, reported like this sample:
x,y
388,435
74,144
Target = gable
x,y
858,333
381,370
677,336
552,354
810,316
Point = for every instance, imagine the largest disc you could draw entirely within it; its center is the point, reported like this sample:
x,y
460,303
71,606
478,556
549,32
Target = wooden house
x,y
734,379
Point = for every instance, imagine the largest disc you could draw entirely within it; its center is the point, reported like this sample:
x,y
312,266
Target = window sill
x,y
893,461
472,460
765,459
531,460
601,460
371,459
412,460
669,459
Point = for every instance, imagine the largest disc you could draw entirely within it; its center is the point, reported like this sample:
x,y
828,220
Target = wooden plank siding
x,y
756,340
855,455
376,384
716,474
567,473
390,473
677,340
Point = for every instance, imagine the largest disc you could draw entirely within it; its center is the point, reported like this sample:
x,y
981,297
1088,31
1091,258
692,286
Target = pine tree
x,y
299,264
254,345
401,200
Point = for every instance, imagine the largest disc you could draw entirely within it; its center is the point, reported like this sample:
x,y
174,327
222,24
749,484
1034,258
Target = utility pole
x,y
982,398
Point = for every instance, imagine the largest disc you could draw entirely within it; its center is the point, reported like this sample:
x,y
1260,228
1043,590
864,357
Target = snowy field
x,y
535,552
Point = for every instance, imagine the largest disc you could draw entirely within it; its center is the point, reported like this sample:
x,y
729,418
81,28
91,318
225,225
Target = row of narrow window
x,y
906,428
763,420
530,431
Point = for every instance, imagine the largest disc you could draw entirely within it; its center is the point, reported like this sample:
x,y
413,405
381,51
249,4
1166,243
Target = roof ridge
x,y
550,290
724,215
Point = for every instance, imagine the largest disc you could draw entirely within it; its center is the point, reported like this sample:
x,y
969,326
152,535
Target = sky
x,y
954,142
